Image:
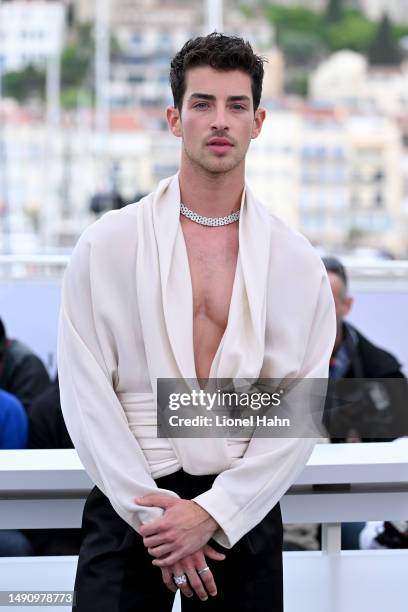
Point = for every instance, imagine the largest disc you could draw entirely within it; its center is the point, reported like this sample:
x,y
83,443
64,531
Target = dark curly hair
x,y
218,51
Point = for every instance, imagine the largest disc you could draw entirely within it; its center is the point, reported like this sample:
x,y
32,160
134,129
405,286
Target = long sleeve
x,y
242,495
93,414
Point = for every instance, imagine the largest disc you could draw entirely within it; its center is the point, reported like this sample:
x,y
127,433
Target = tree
x,y
295,18
26,83
354,32
300,48
384,50
77,58
334,11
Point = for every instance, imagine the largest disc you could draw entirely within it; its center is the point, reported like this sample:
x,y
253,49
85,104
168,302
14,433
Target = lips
x,y
219,145
219,142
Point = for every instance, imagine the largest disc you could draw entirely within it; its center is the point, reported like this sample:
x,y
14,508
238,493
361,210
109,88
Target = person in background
x,y
13,435
47,426
388,534
22,373
13,422
372,414
354,356
47,430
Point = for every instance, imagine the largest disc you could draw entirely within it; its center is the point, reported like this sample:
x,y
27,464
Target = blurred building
x,y
150,35
30,33
150,32
339,179
52,176
324,200
274,75
335,169
346,79
136,13
273,164
376,182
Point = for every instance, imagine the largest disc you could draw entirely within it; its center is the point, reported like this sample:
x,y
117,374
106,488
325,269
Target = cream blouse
x,y
126,320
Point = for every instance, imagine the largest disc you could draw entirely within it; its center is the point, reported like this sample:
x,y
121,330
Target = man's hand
x,y
203,584
184,528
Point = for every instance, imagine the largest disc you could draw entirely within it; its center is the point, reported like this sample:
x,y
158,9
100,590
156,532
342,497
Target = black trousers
x,y
115,573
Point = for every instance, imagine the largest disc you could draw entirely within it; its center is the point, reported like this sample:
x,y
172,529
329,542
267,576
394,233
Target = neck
x,y
211,194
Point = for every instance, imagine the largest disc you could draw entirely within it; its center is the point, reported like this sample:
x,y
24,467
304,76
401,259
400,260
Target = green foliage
x,y
334,11
355,234
298,85
384,47
75,63
301,47
24,84
84,34
400,30
77,58
72,97
354,32
69,98
247,10
338,28
297,19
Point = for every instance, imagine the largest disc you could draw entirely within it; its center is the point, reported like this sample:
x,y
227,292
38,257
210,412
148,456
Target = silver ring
x,y
204,569
180,580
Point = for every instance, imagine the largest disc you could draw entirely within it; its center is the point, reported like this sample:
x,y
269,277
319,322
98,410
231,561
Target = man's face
x,y
217,120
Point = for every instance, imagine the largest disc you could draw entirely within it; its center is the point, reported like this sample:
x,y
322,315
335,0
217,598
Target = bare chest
x,y
212,255
212,269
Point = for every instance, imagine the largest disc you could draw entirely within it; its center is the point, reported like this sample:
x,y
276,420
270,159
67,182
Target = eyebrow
x,y
203,96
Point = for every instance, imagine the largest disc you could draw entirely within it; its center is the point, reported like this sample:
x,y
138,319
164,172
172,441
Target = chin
x,y
220,165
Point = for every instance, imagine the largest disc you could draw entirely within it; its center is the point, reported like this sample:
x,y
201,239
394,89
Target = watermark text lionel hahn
x,y
224,421
217,400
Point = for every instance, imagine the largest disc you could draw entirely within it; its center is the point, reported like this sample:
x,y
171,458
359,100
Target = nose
x,y
219,119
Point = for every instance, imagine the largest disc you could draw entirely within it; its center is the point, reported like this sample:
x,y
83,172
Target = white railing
x,y
360,270
32,267
380,291
341,483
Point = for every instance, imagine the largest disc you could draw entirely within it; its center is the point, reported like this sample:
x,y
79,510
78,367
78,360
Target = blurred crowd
x,y
376,410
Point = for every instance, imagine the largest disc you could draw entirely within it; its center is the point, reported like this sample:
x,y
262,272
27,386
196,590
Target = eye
x,y
238,107
201,105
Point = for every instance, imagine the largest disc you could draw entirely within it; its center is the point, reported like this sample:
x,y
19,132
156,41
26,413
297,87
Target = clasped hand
x,y
178,542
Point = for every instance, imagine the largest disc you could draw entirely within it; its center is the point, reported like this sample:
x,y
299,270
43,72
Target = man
x,y
47,426
196,281
22,373
355,357
47,430
13,435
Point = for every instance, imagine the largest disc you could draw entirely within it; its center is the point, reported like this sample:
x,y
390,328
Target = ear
x,y
174,121
259,118
347,304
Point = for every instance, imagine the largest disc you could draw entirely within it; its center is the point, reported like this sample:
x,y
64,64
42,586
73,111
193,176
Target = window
x,y
379,200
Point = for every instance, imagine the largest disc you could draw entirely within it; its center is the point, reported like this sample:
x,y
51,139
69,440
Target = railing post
x,y
331,538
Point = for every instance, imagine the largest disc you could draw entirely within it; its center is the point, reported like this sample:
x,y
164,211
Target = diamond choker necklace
x,y
211,221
